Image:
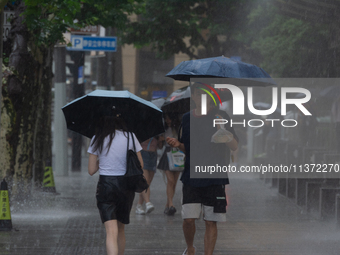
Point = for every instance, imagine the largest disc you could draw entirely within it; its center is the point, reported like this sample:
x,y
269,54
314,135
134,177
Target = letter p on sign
x,y
77,42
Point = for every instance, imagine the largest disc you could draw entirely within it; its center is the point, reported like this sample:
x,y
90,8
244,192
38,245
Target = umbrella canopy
x,y
141,116
158,102
178,101
221,67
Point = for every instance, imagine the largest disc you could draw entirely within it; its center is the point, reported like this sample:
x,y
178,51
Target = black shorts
x,y
114,200
149,160
212,199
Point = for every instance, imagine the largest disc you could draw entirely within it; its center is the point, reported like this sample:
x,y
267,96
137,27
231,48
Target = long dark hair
x,y
175,121
107,126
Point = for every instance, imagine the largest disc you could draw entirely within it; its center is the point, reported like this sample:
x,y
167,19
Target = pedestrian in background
x,y
205,195
107,154
172,124
149,155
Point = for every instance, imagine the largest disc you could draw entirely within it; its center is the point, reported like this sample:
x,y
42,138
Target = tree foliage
x,y
288,47
47,20
25,140
254,30
176,26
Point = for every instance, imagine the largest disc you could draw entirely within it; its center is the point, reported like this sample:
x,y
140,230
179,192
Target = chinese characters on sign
x,y
93,43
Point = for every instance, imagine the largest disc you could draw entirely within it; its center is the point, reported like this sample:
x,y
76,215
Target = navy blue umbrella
x,y
221,67
142,117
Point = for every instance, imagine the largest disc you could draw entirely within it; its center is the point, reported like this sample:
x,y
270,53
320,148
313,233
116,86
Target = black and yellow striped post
x,y
5,213
48,182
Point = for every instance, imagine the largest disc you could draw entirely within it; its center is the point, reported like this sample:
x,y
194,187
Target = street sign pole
x,y
81,43
78,58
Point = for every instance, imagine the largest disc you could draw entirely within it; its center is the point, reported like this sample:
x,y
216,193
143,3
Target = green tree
x,y
25,141
289,47
198,28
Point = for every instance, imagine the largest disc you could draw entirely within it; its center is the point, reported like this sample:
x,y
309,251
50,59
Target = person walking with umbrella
x,y
115,121
107,154
203,194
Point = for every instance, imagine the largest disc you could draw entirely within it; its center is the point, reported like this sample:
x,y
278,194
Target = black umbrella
x,y
221,67
158,102
178,101
141,116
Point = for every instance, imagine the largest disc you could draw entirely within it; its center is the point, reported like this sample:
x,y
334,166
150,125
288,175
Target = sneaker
x,y
149,207
172,210
139,210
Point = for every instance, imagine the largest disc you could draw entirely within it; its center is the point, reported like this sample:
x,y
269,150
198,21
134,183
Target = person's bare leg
x,y
111,228
169,180
140,199
210,237
176,175
189,229
121,238
172,178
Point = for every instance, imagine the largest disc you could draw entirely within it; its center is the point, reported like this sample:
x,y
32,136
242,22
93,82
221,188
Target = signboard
x,y
93,43
8,15
159,94
88,30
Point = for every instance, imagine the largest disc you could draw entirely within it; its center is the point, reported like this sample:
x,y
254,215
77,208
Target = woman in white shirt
x,y
107,150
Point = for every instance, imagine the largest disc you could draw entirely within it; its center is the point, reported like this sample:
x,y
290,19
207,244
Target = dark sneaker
x,y
172,210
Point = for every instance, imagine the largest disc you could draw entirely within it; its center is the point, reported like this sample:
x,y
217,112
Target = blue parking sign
x,y
93,43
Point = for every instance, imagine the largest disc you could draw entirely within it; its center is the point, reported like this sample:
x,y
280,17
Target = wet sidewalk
x,y
260,222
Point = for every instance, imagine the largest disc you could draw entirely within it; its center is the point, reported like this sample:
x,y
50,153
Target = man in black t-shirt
x,y
203,194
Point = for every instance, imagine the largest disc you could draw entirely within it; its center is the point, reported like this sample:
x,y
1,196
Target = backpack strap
x,y
133,141
127,147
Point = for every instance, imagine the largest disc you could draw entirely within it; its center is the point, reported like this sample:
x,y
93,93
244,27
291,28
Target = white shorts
x,y
194,211
210,200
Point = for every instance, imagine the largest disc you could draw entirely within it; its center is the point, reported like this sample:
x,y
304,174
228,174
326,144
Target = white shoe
x,y
139,210
149,207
